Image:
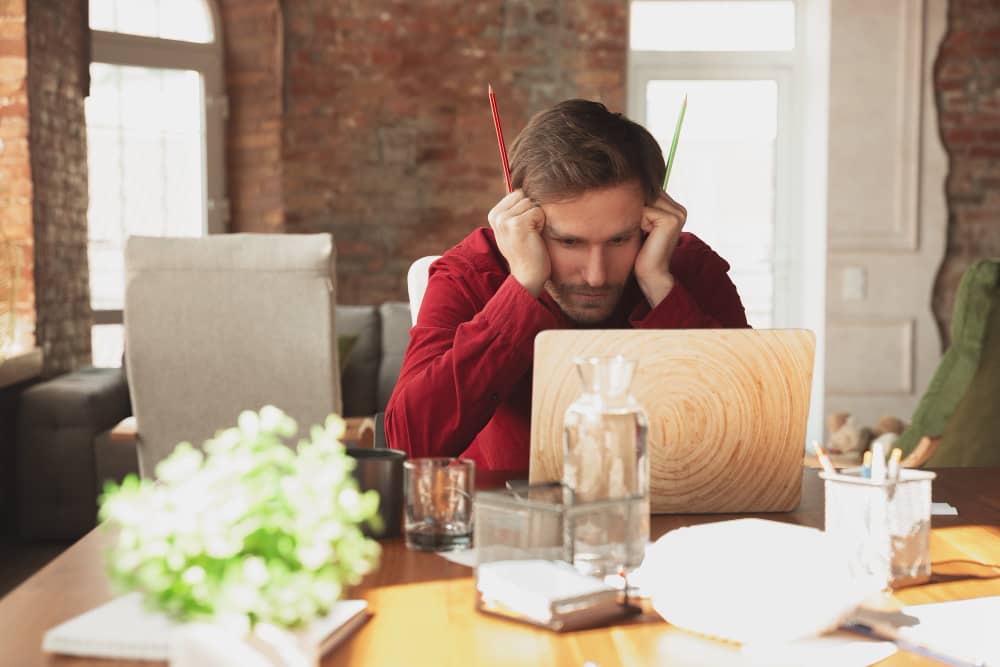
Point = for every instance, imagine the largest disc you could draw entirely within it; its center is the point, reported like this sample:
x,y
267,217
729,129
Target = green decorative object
x,y
673,142
971,436
960,402
250,531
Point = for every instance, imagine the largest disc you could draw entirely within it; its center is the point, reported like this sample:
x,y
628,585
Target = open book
x,y
124,629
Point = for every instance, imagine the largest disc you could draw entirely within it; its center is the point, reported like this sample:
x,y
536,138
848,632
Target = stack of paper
x,y
124,629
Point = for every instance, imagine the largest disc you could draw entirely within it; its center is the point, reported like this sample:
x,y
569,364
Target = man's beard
x,y
574,301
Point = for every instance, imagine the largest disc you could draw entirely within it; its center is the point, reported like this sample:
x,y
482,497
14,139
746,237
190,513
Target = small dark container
x,y
382,470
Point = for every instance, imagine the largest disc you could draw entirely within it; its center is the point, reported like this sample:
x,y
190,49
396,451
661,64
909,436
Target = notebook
x,y
547,593
124,629
727,411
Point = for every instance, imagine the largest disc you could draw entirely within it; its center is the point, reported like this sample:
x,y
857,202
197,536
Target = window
x,y
735,60
154,135
751,145
185,20
710,25
728,183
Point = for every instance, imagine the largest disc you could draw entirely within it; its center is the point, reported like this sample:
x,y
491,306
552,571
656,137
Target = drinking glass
x,y
438,503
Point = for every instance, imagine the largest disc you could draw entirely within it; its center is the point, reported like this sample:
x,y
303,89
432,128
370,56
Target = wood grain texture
x,y
727,411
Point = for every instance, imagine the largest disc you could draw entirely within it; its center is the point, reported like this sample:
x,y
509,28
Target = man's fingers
x,y
523,213
658,216
513,204
672,201
665,203
520,207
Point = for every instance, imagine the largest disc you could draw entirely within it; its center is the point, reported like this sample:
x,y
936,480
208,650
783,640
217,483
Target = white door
x,y
887,214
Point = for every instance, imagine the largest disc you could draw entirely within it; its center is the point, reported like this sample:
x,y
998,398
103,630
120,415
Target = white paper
x,y
943,509
466,557
751,581
124,628
838,649
471,557
963,629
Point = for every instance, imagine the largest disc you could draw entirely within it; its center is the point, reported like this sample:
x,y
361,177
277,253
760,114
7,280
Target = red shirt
x,y
465,385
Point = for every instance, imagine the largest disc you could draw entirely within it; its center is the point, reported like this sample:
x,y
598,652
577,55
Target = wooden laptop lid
x,y
727,411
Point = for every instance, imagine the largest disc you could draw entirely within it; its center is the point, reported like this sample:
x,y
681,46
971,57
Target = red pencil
x,y
503,148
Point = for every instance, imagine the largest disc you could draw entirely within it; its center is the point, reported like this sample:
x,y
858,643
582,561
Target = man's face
x,y
593,241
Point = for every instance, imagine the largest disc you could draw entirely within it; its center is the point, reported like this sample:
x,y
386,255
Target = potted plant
x,y
246,534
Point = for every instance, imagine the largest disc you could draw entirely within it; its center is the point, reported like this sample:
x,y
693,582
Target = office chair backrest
x,y
416,283
218,325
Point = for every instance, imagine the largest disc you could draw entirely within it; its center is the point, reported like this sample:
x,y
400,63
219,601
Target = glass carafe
x,y
605,470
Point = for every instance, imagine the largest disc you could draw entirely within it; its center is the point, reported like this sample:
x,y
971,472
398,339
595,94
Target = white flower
x,y
349,500
193,575
249,423
255,570
180,465
314,556
254,529
270,418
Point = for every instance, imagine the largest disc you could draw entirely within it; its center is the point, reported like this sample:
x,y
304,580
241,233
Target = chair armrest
x,y
124,431
360,432
922,452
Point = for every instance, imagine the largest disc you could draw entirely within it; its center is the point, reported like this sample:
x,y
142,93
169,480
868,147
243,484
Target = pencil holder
x,y
884,527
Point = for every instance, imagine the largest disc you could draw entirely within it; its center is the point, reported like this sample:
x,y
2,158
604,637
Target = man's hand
x,y
663,222
517,223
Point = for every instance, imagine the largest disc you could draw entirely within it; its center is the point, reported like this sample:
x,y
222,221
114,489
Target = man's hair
x,y
579,145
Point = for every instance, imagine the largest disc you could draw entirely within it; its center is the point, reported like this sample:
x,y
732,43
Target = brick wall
x,y
967,83
253,44
369,119
16,238
388,141
57,67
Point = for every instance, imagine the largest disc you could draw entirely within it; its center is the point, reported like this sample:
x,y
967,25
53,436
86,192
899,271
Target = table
x,y
424,611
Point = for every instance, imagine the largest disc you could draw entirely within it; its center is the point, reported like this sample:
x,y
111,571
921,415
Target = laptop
x,y
727,411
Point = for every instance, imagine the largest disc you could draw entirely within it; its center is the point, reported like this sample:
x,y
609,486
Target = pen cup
x,y
884,527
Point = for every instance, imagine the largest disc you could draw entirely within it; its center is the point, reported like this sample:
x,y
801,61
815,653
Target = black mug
x,y
382,470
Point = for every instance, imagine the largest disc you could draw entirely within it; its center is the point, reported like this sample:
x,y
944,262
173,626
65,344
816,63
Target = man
x,y
587,238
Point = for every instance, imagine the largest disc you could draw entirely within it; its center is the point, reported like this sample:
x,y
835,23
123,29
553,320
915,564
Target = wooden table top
x,y
424,605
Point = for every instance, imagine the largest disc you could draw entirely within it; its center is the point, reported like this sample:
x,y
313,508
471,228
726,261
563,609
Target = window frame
x,y
787,236
207,58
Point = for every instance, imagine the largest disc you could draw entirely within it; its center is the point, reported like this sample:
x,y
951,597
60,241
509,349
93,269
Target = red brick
x,y
967,83
58,186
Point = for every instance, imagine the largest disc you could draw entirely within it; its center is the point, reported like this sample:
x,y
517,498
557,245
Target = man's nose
x,y
595,272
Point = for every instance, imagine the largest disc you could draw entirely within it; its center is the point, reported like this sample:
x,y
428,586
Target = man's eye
x,y
620,240
567,242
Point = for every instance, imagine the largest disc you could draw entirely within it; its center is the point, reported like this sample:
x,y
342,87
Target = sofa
x,y
65,451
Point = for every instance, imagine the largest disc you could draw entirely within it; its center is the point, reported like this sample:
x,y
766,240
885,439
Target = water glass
x,y
437,492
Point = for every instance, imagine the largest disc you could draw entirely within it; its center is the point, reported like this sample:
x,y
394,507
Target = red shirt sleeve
x,y
467,352
703,295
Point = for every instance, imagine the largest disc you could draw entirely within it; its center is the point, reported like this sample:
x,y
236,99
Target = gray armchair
x,y
65,452
220,324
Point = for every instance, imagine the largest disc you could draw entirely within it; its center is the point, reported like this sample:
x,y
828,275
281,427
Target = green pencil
x,y
673,144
